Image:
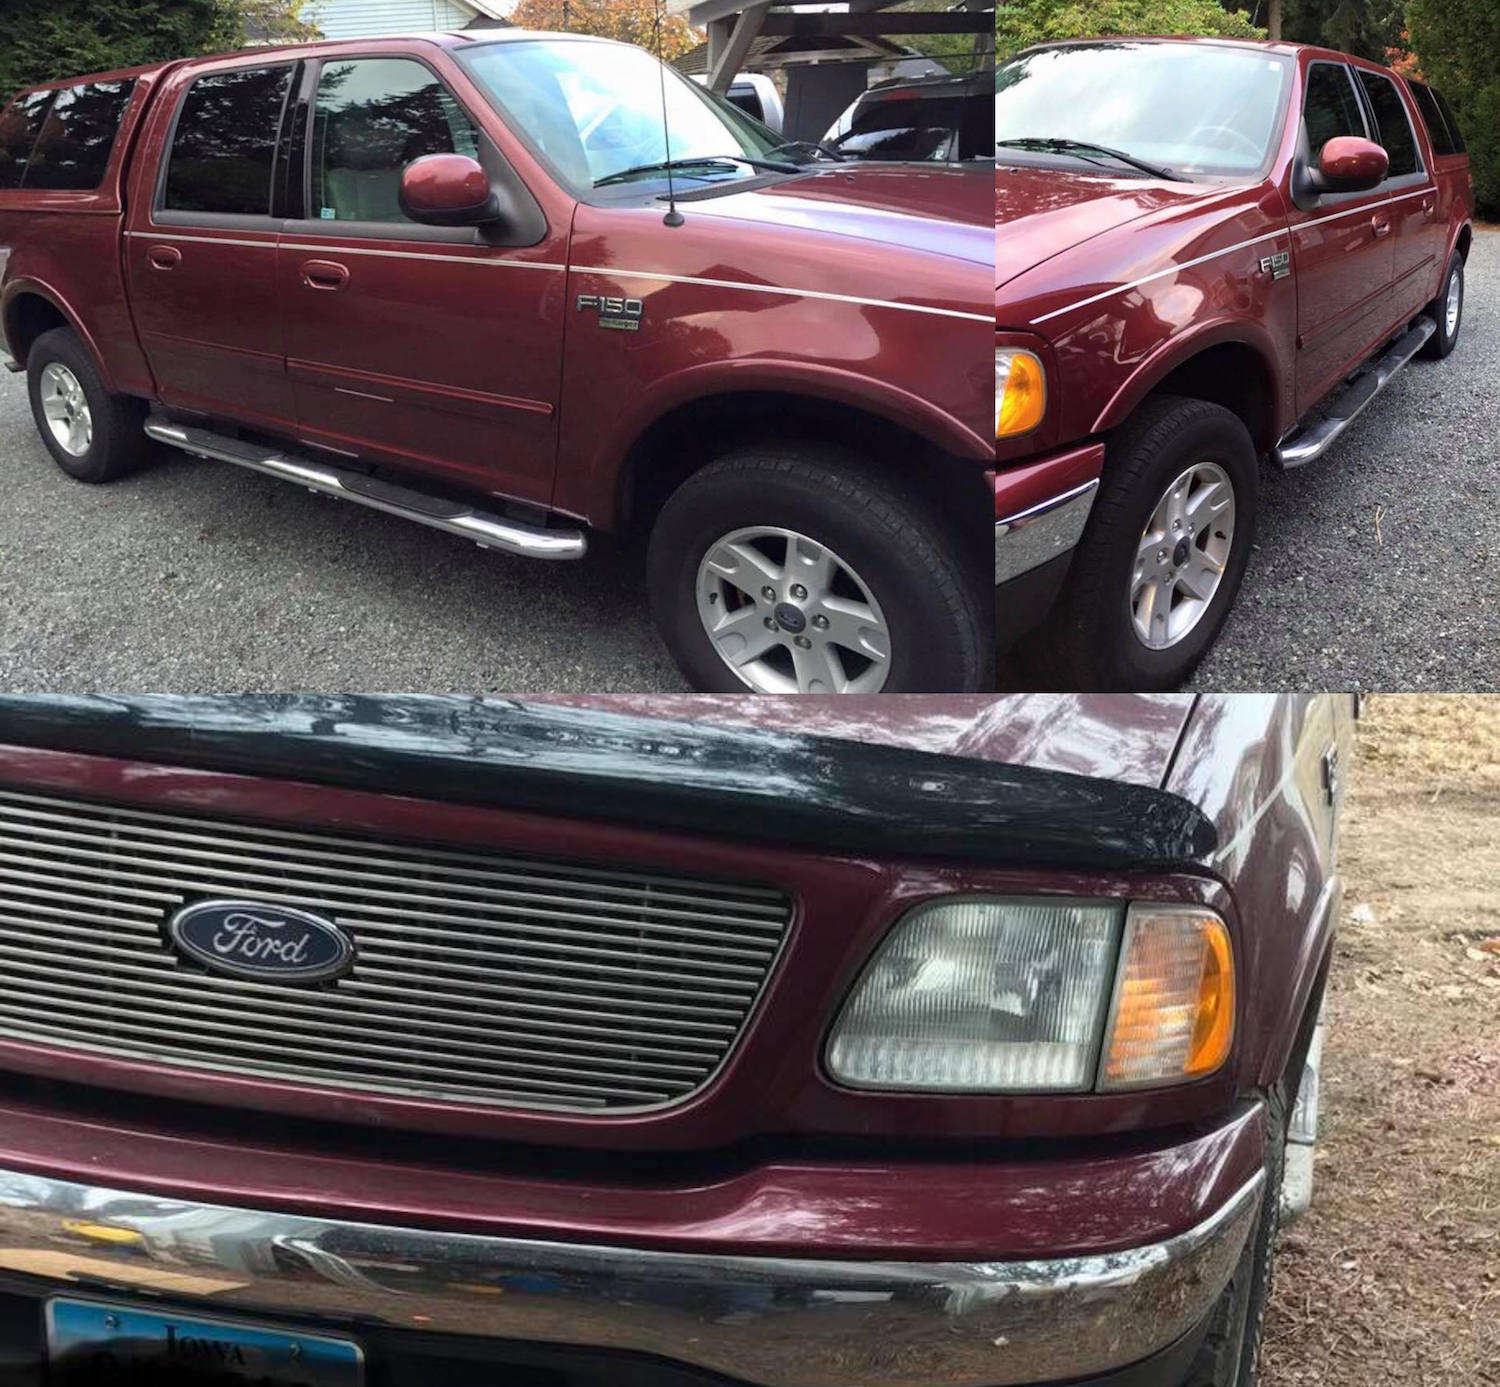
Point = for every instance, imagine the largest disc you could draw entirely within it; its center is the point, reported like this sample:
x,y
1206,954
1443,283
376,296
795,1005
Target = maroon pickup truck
x,y
447,277
1226,267
662,1043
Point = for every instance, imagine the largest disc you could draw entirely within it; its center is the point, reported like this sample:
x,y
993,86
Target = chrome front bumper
x,y
1041,532
773,1322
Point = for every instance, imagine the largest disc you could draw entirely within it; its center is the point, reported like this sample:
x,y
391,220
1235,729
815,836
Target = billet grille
x,y
478,976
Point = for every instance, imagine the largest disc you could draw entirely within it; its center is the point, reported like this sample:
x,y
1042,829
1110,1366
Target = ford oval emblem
x,y
269,943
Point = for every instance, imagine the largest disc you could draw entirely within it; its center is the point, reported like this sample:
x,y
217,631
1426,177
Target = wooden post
x,y
1273,21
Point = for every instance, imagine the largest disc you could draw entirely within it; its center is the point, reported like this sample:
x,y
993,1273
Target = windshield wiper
x,y
779,166
1083,148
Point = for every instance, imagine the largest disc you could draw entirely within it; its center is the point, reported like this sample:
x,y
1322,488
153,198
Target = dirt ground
x,y
1394,1278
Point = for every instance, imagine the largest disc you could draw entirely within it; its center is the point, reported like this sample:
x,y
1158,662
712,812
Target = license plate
x,y
92,1341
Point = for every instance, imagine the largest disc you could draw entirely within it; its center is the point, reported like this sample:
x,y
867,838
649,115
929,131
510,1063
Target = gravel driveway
x,y
1376,565
194,576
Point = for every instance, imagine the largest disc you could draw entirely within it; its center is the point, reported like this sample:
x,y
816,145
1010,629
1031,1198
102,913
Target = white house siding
x,y
355,19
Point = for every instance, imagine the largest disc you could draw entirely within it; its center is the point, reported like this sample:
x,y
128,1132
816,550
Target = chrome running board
x,y
1315,435
486,530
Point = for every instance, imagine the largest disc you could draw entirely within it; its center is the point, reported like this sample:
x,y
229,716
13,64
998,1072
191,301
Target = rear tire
x,y
92,435
782,560
1090,640
1451,295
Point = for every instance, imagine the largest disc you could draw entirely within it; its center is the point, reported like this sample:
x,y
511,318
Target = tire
x,y
1090,640
881,544
1436,347
115,442
1230,1353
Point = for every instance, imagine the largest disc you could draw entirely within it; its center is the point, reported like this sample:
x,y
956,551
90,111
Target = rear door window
x,y
224,147
373,117
20,123
1450,120
1393,127
1332,106
79,133
1444,137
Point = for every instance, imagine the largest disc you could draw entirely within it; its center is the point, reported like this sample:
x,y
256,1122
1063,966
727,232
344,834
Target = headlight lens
x,y
1020,392
997,995
1173,1012
982,995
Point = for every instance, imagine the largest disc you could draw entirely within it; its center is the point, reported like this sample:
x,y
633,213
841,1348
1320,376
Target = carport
x,y
826,52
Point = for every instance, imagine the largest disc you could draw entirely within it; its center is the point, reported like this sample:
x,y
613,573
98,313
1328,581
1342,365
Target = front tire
x,y
791,569
92,435
1447,311
1161,557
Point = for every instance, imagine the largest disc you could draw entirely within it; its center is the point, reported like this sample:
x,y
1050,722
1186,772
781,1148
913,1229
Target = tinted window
x,y
1454,133
905,128
373,118
225,144
20,124
748,100
79,133
1393,128
1331,108
1435,120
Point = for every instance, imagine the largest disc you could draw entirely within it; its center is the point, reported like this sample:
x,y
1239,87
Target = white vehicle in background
x,y
756,95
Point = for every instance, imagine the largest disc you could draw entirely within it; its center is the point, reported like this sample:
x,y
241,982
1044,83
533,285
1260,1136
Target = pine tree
x,y
1363,27
1457,45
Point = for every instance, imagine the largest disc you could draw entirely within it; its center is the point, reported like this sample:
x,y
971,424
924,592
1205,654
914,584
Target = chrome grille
x,y
478,977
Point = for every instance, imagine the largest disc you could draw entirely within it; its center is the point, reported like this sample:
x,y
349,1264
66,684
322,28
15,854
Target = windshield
x,y
1192,108
594,110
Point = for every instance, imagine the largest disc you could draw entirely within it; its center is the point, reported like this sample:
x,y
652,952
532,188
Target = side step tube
x,y
486,530
1315,435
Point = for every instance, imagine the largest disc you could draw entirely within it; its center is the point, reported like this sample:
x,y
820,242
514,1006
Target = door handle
x,y
1381,226
164,257
1428,203
325,274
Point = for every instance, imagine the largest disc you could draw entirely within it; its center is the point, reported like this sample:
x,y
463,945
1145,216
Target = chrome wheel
x,y
1453,303
1182,556
788,615
66,410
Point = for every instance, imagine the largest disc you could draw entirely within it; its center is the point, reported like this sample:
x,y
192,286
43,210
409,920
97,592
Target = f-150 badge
x,y
624,315
1278,266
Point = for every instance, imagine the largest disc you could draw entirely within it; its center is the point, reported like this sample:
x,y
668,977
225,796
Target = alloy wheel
x,y
66,409
1183,553
789,615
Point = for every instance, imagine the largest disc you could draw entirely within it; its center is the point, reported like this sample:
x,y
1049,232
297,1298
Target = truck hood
x,y
1126,737
1040,213
940,210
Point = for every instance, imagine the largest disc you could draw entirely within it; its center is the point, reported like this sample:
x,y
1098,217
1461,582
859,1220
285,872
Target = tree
x,y
1457,44
1036,21
41,42
1363,27
630,21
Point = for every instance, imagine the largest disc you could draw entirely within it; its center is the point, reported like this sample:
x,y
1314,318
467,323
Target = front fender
x,y
1178,350
590,487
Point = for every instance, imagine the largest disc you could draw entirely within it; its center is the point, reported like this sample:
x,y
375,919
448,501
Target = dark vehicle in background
x,y
660,1043
441,277
938,119
1208,253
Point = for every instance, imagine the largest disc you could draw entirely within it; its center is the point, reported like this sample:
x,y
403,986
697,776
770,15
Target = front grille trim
x,y
504,980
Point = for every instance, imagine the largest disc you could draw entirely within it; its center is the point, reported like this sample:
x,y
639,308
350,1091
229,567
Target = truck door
x,y
1342,249
200,243
1418,236
437,349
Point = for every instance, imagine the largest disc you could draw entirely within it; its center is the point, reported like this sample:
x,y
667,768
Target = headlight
x,y
982,995
1020,392
995,995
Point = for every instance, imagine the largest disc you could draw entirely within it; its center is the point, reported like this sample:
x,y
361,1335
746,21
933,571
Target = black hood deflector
x,y
804,791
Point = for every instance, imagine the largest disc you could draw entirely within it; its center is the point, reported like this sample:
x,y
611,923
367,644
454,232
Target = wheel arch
x,y
693,433
1232,366
31,309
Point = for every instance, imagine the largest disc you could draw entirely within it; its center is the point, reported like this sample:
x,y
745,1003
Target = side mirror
x,y
448,190
1348,164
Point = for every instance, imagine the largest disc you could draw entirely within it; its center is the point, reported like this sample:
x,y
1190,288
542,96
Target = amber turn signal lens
x,y
1173,1013
1020,393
